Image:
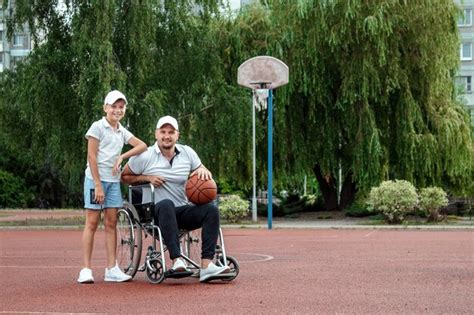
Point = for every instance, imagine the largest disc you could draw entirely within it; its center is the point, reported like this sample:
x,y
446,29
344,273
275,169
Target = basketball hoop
x,y
260,97
262,74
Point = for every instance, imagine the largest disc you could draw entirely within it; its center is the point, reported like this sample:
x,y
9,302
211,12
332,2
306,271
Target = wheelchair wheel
x,y
234,267
129,239
154,270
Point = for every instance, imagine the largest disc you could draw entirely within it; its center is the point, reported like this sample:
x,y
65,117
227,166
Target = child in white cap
x,y
106,138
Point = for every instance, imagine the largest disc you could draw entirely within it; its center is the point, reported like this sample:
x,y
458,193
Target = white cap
x,y
167,120
114,96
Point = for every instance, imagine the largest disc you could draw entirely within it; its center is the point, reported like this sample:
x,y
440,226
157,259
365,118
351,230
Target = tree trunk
x,y
327,184
348,192
328,187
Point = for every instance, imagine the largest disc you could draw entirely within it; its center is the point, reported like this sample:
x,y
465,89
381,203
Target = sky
x,y
234,4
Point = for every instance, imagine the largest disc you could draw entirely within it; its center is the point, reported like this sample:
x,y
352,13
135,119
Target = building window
x,y
1,35
1,57
466,51
466,18
18,40
16,60
465,83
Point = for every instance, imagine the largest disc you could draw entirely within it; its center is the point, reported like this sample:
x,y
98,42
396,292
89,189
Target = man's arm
x,y
130,178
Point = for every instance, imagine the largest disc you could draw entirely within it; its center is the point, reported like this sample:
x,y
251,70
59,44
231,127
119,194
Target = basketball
x,y
200,191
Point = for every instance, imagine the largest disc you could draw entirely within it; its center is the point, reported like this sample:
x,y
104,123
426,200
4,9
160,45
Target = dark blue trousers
x,y
171,219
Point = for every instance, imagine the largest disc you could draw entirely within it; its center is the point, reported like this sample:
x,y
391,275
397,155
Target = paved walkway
x,y
314,220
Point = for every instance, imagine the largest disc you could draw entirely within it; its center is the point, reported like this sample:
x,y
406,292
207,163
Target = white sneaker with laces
x,y
115,274
212,271
85,276
179,265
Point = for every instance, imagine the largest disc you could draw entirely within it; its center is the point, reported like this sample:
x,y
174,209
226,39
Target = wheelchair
x,y
135,223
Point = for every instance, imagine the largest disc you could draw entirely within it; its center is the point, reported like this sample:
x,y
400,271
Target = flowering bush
x,y
431,200
394,199
233,208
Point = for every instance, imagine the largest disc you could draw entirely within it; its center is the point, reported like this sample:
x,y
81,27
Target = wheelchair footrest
x,y
177,274
221,276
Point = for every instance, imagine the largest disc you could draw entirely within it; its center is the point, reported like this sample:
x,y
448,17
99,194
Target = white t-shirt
x,y
175,172
111,142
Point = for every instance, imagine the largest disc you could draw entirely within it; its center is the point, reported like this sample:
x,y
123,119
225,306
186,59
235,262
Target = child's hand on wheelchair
x,y
117,169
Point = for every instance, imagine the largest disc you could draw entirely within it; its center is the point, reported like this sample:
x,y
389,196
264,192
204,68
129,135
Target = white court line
x,y
370,233
18,312
264,257
40,267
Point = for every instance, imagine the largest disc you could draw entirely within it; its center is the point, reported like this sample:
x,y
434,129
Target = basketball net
x,y
260,99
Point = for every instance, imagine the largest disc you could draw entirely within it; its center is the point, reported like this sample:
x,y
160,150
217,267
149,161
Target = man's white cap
x,y
114,96
167,120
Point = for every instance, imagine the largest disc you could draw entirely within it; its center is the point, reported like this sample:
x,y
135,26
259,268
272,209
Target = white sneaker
x,y
116,274
179,265
212,271
85,276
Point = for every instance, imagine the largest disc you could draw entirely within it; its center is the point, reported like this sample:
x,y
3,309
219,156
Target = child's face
x,y
116,111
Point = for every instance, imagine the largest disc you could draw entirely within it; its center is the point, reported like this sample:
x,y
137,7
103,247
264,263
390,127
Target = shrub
x,y
13,193
233,208
432,199
394,199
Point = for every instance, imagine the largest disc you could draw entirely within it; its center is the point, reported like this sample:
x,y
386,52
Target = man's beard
x,y
167,145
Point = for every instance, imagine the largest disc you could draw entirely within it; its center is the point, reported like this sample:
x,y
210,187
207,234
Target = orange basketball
x,y
200,191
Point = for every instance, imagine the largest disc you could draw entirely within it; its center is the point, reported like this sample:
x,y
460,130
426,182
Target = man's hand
x,y
155,180
202,173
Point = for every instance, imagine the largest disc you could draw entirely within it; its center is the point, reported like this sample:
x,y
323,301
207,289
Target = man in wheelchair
x,y
167,165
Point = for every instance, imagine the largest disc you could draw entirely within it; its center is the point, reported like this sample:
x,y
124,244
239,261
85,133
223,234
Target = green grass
x,y
378,219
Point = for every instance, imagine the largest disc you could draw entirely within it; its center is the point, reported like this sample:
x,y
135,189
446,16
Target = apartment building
x,y
466,71
15,50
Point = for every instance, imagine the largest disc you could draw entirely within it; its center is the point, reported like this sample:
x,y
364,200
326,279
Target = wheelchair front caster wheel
x,y
154,271
233,265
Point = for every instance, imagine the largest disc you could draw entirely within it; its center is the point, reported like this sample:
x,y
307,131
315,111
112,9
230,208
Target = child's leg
x,y
110,224
92,222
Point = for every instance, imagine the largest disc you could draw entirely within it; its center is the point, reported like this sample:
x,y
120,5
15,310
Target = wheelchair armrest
x,y
141,194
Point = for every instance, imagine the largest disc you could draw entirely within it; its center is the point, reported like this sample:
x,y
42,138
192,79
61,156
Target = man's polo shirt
x,y
174,172
111,142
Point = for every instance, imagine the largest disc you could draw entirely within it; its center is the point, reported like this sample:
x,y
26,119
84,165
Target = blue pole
x,y
270,160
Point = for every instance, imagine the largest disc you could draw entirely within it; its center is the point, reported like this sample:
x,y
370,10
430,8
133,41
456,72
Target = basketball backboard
x,y
262,72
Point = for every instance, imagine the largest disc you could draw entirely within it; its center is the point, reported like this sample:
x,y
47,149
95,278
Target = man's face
x,y
116,111
166,137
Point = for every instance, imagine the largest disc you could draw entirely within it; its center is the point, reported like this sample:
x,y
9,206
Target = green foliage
x,y
14,193
233,208
371,89
358,210
394,199
432,199
295,204
376,78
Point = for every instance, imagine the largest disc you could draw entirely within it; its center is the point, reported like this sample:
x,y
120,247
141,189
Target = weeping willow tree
x,y
371,94
86,49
